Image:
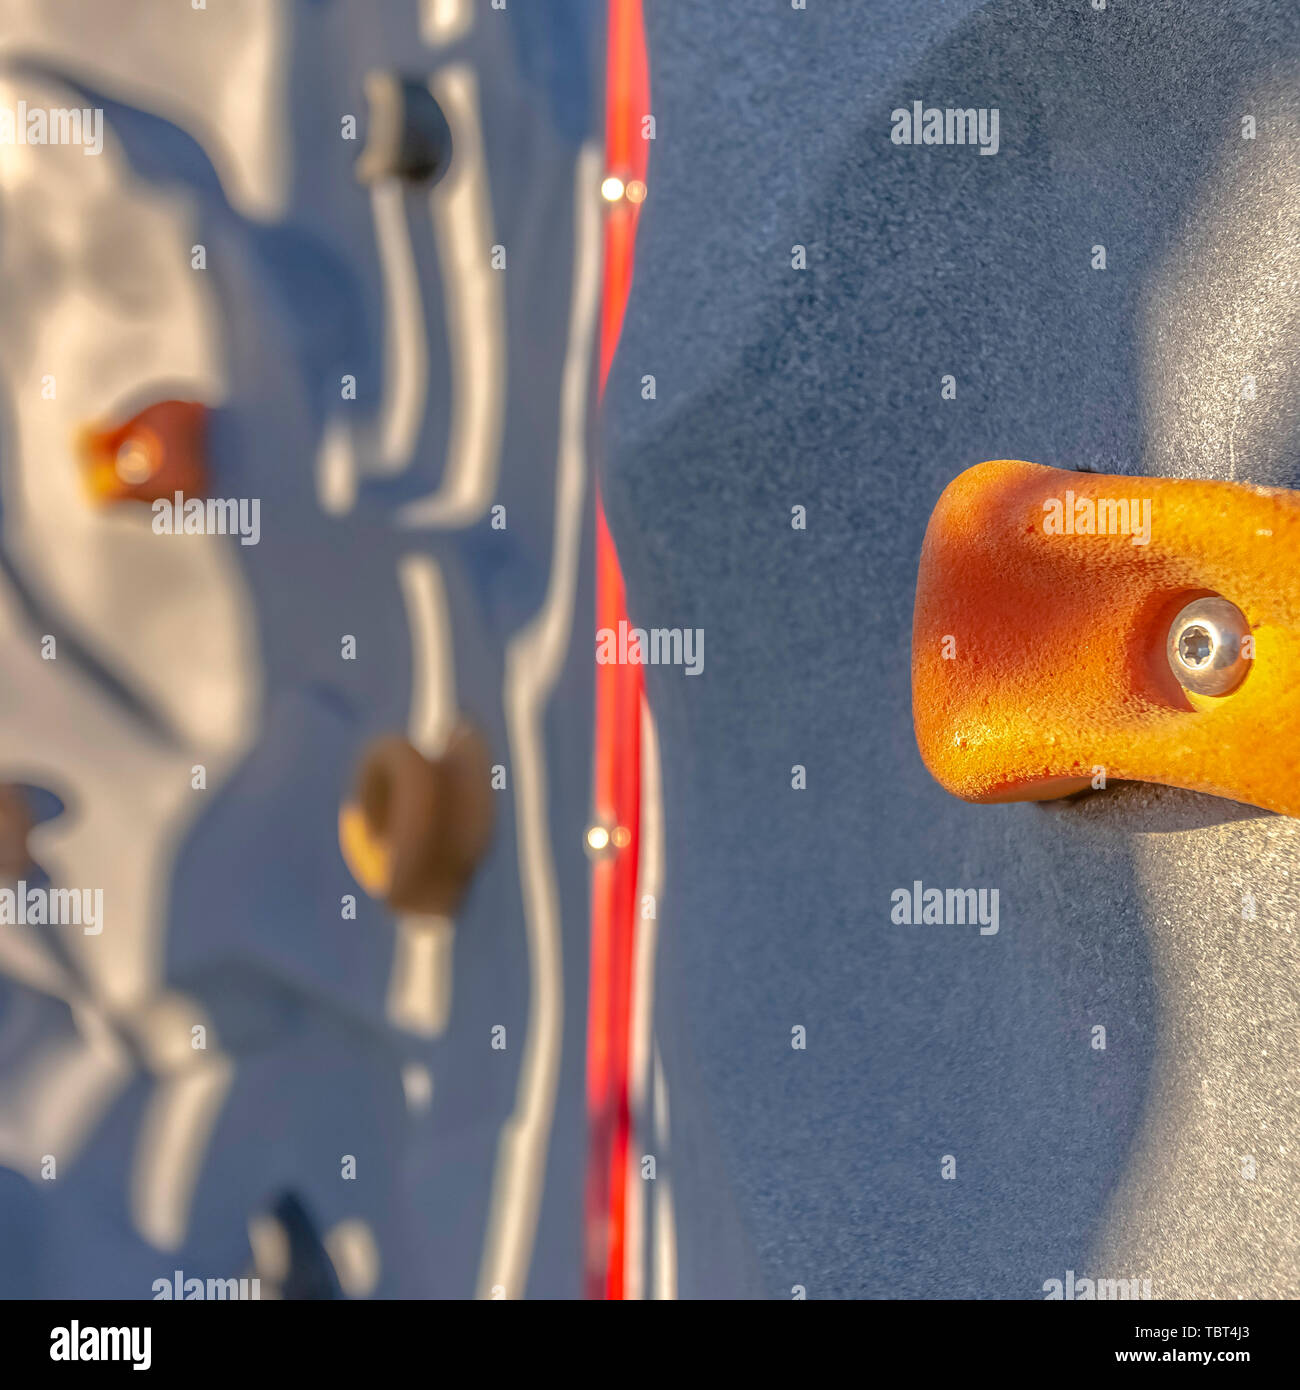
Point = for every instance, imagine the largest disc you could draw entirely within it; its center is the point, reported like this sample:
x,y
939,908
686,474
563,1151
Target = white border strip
x,y
474,295
406,348
419,982
534,659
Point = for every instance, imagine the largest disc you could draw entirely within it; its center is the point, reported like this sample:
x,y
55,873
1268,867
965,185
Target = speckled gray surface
x,y
821,388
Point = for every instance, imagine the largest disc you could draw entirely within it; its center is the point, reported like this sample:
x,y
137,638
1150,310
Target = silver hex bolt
x,y
1205,646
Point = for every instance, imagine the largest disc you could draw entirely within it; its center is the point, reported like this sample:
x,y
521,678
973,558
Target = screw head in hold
x,y
1204,646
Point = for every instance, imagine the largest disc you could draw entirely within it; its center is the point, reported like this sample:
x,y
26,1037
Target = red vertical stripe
x,y
616,767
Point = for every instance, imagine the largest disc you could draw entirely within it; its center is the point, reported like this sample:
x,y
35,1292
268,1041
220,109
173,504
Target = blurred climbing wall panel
x,y
377,384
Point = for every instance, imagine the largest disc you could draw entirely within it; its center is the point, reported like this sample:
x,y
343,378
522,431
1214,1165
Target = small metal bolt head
x,y
134,463
1204,646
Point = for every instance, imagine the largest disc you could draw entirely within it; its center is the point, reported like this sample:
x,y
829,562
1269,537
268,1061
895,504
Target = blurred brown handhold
x,y
15,824
156,453
415,829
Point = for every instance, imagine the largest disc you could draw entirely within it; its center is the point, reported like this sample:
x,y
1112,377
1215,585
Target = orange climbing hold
x,y
1042,656
415,829
156,453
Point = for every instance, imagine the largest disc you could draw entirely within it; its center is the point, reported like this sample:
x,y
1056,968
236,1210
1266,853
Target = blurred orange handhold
x,y
156,453
15,826
1038,658
416,828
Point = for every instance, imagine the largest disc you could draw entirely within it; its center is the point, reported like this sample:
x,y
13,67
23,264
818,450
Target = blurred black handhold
x,y
407,135
311,1272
